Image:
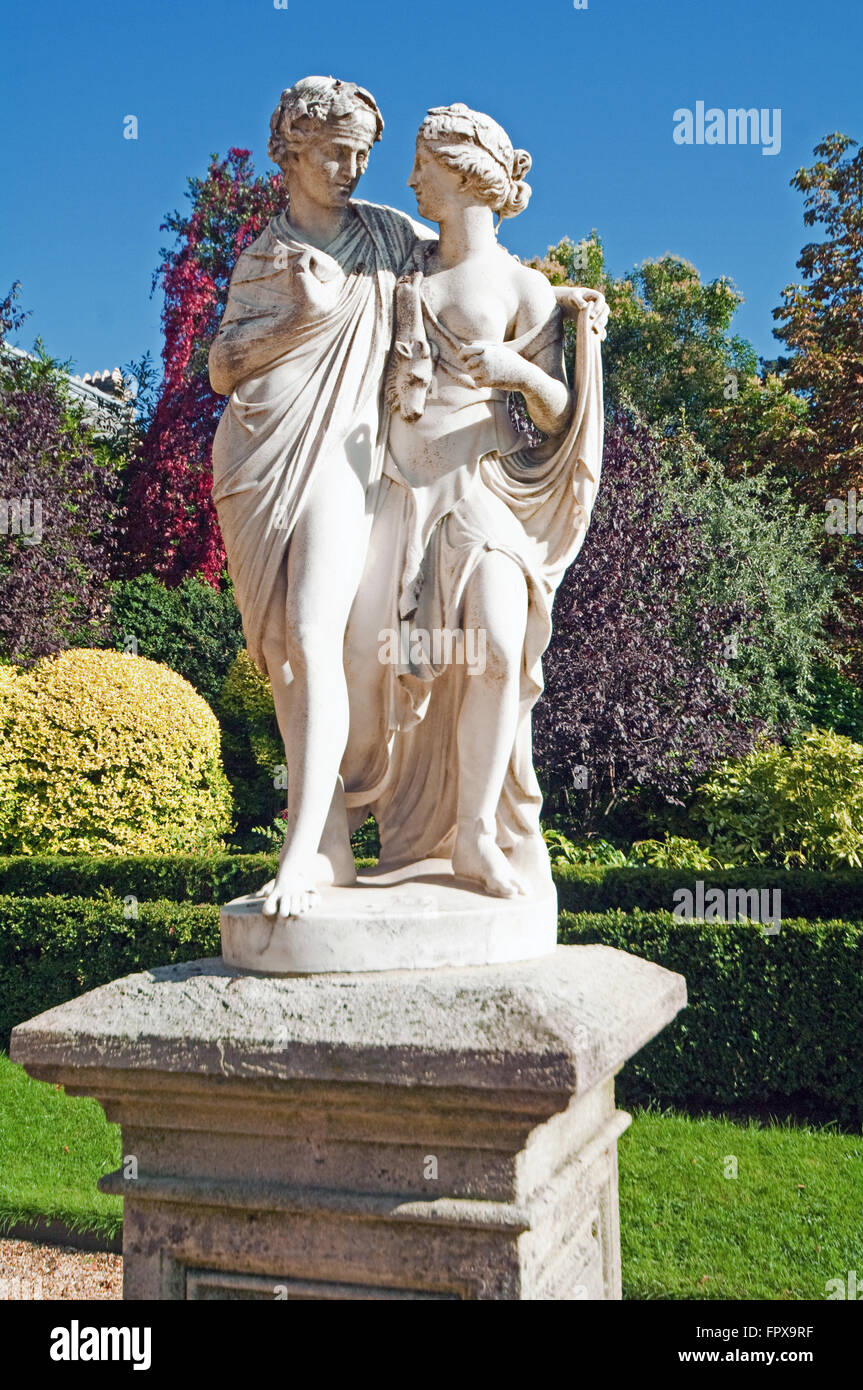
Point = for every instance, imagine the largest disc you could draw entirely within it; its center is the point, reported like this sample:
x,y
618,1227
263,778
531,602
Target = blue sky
x,y
591,93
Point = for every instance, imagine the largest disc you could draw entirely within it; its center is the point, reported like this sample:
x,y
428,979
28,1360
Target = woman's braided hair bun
x,y
519,190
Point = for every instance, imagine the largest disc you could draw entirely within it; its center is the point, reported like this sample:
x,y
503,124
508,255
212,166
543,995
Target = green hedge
x,y
53,949
772,1022
813,895
581,888
215,878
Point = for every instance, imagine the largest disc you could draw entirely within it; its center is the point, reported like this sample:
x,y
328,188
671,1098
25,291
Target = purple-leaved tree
x,y
58,511
634,695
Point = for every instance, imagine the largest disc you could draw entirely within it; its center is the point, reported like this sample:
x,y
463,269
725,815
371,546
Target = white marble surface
x,y
401,348
417,918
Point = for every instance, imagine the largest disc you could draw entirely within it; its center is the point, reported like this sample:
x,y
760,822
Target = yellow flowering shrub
x,y
801,806
252,745
247,691
102,753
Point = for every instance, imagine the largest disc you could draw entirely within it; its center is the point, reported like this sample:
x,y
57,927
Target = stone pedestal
x,y
419,917
449,1133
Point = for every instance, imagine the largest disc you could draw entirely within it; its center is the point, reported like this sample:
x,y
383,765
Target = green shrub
x,y
101,752
562,850
771,1021
804,893
266,837
366,840
53,949
251,744
194,629
181,878
836,703
764,556
580,888
674,852
799,805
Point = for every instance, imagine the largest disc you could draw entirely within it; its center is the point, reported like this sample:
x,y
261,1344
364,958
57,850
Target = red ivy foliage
x,y
171,528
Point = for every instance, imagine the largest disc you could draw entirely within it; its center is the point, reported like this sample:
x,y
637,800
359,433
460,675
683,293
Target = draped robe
x,y
456,484
311,398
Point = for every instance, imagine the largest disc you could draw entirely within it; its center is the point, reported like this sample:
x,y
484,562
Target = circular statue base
x,y
419,917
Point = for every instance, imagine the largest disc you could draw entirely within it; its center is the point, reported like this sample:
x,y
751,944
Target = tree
x,y
669,345
821,323
58,508
172,529
635,695
193,628
763,552
668,350
671,353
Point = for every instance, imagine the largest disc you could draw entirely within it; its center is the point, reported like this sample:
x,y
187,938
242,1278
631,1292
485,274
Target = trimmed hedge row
x,y
212,878
53,949
581,888
773,1021
816,895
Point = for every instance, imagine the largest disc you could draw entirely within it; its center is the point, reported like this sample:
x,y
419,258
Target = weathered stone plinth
x,y
423,1134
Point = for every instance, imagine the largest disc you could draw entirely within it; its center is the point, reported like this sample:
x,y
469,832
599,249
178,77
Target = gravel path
x,y
29,1271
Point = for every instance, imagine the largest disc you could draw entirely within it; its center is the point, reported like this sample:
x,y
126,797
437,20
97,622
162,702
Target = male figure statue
x,y
300,353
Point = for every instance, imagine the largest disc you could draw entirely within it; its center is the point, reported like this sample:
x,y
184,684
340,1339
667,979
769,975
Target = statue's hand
x,y
494,365
597,306
310,288
575,297
318,278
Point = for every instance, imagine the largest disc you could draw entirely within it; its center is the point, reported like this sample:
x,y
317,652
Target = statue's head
x,y
321,134
464,153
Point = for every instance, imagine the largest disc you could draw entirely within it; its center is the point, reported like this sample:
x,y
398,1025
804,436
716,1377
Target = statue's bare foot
x,y
290,895
477,856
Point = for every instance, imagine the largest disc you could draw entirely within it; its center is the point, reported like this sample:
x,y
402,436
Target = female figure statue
x,y
300,353
483,526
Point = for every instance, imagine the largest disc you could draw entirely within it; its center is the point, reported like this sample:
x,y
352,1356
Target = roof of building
x,y
102,394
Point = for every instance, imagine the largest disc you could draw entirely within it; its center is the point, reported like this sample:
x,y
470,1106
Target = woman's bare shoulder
x,y
536,298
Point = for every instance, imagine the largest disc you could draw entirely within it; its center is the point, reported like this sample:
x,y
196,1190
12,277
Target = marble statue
x,y
394,540
300,353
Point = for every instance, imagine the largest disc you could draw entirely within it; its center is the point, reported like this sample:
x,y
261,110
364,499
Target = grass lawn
x,y
53,1147
789,1221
